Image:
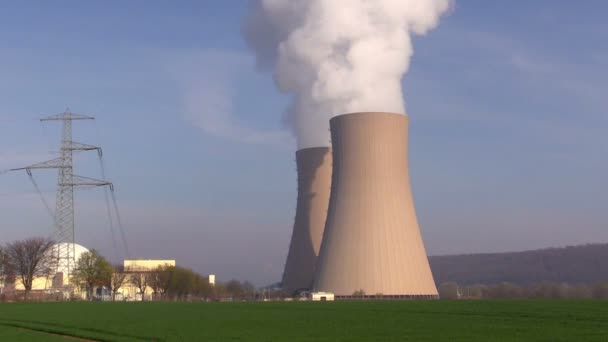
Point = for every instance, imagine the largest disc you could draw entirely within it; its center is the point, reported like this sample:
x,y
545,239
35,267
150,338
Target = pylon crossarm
x,y
67,115
76,146
86,181
56,163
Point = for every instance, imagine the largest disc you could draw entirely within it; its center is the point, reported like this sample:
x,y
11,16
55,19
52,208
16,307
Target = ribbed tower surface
x,y
314,185
372,241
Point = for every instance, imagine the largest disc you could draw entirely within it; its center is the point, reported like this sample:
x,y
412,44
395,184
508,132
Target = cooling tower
x,y
371,240
314,185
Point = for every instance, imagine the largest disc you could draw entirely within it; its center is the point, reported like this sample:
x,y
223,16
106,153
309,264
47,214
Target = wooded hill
x,y
584,264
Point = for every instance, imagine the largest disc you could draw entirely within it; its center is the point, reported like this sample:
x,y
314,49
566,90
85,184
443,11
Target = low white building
x,y
322,296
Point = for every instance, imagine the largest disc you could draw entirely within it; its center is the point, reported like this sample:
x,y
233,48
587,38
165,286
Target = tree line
x,y
165,282
452,290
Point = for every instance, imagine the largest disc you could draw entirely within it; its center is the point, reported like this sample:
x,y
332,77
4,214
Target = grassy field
x,y
508,320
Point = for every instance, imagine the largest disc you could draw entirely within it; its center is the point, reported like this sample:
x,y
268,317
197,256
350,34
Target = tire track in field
x,y
512,315
45,332
56,329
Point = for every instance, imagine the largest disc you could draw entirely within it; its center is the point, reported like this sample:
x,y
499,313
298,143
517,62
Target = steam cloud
x,y
337,56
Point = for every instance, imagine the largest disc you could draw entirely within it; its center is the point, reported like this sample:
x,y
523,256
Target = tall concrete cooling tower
x,y
314,185
372,241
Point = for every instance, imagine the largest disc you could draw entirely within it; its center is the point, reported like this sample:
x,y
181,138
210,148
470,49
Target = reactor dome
x,y
75,248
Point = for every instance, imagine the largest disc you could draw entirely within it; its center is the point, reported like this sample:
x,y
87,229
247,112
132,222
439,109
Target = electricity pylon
x,y
63,231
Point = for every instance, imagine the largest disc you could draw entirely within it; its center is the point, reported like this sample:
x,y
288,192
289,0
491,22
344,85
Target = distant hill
x,y
573,265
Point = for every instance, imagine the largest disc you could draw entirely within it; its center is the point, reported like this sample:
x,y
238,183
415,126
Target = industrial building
x,y
131,292
371,242
146,264
314,185
322,297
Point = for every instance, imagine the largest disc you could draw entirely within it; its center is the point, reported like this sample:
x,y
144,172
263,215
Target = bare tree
x,y
181,283
4,269
449,290
119,278
600,290
141,280
2,262
202,288
581,291
235,289
248,290
359,294
163,281
158,280
30,258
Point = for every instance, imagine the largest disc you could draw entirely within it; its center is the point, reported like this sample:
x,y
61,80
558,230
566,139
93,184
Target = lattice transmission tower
x,y
63,230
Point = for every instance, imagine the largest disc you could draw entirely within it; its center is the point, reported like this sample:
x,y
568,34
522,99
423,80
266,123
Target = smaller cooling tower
x,y
372,241
314,185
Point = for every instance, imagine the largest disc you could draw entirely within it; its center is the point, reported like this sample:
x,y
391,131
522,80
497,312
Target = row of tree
x,y
451,290
179,283
165,282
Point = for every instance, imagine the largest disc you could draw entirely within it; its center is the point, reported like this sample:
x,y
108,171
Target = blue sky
x,y
508,112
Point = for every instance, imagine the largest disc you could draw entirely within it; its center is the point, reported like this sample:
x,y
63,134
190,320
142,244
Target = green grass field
x,y
496,320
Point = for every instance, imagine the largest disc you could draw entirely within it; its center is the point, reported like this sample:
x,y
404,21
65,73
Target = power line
x,y
120,226
46,204
107,198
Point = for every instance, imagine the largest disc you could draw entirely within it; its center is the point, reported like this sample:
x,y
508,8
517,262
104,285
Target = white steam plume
x,y
337,56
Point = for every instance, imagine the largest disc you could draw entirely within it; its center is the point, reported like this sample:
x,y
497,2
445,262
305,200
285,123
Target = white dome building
x,y
56,279
63,268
